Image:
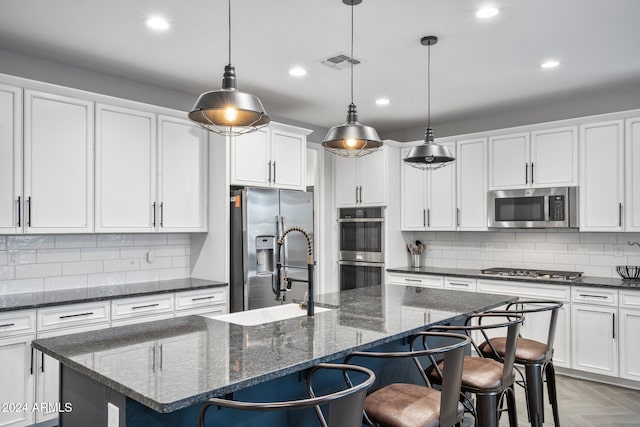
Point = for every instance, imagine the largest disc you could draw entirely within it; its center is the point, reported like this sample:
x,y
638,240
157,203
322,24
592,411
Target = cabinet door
x,y
10,159
17,380
373,178
182,177
250,159
632,176
595,347
58,162
472,184
413,196
346,177
441,195
289,159
554,157
629,344
125,169
508,161
601,176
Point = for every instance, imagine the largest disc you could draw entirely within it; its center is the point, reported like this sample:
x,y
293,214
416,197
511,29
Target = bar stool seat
x,y
526,351
406,405
478,374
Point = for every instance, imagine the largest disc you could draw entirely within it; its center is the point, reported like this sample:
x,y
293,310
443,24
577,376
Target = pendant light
x,y
228,111
352,139
429,155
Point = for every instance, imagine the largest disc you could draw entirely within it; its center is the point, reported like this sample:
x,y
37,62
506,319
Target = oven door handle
x,y
362,263
361,220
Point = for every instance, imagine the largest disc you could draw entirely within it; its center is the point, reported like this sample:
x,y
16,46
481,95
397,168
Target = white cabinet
x,y
58,163
542,158
594,330
428,197
125,169
471,184
270,157
632,175
601,176
10,159
16,371
209,301
629,322
419,280
460,284
362,181
151,172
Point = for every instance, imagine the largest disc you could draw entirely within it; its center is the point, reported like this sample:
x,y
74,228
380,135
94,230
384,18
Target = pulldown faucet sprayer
x,y
310,266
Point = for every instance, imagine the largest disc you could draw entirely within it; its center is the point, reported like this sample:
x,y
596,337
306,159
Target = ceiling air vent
x,y
339,61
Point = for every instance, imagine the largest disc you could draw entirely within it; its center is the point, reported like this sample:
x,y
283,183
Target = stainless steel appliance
x,y
534,208
361,256
258,218
533,274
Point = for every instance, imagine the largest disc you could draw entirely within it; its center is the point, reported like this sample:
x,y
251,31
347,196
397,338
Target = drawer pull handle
x,y
145,306
413,280
76,315
6,325
594,296
203,298
466,285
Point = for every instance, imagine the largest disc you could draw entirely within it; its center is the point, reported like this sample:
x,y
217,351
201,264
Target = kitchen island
x,y
159,373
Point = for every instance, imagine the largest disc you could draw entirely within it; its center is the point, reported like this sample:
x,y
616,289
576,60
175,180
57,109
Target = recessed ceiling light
x,y
552,63
157,23
487,12
297,72
382,101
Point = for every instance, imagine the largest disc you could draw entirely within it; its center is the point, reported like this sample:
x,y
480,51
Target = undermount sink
x,y
259,316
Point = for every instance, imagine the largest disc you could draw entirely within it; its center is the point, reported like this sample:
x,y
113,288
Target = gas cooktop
x,y
533,274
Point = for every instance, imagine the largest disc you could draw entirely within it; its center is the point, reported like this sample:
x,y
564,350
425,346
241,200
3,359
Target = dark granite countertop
x,y
202,357
100,293
476,274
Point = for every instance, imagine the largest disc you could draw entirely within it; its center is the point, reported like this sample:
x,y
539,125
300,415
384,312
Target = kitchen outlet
x,y
113,415
150,257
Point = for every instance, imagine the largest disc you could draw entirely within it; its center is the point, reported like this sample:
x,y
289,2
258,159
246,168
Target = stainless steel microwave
x,y
534,208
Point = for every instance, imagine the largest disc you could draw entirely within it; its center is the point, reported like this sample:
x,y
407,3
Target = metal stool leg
x,y
511,407
550,374
533,374
486,410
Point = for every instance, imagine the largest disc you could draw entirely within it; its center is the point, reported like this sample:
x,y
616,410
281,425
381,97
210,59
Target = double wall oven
x,y
361,256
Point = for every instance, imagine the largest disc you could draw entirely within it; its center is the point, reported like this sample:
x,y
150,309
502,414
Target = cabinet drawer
x,y
598,296
73,315
141,306
415,280
200,298
460,284
526,290
629,299
17,323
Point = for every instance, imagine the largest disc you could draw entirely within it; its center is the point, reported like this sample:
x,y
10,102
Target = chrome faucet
x,y
310,267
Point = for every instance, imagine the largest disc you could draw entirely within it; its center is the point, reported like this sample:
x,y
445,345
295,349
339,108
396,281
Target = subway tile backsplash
x,y
53,262
595,254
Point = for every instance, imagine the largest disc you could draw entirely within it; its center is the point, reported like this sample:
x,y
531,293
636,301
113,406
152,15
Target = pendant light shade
x,y
352,139
429,155
228,111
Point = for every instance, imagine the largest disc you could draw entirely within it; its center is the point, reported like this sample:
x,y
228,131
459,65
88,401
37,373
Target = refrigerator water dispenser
x,y
265,245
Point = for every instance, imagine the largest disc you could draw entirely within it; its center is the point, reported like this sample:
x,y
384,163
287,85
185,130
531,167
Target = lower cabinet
x,y
629,325
595,347
17,384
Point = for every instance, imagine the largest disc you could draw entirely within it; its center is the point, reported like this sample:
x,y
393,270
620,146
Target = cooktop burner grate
x,y
533,274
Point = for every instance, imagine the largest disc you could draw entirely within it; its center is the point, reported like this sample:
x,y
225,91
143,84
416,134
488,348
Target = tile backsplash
x,y
595,254
50,262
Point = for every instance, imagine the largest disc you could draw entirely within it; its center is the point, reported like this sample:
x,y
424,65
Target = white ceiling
x,y
476,65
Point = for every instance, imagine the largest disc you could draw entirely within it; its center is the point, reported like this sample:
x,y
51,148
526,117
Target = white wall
x,y
595,254
53,262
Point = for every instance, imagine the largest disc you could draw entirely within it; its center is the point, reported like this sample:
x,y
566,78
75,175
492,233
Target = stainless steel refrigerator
x,y
258,218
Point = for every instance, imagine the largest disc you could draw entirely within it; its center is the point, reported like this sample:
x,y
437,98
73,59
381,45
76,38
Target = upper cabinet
x,y
601,176
428,198
270,157
362,181
632,175
160,184
471,184
58,163
10,159
542,158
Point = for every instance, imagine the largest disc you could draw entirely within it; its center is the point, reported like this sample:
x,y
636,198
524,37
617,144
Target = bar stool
x,y
535,356
344,407
412,405
490,379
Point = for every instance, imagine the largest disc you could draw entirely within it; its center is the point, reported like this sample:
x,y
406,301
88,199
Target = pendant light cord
x,y
229,32
351,59
429,86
